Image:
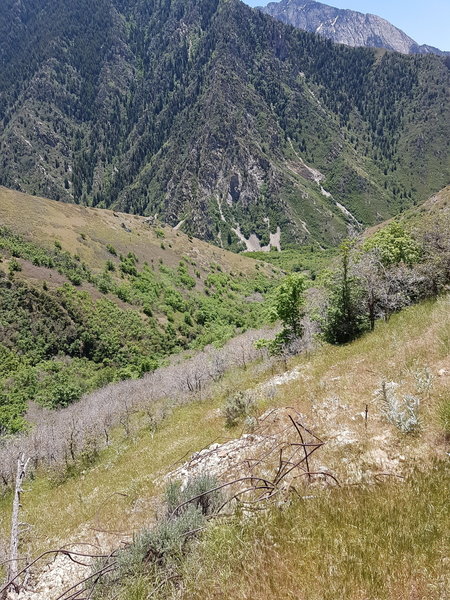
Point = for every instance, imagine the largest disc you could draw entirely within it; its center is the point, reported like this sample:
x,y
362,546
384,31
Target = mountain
x,y
346,26
231,125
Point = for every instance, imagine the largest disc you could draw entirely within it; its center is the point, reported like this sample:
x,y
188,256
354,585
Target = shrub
x,y
14,266
155,552
401,411
395,245
74,278
160,547
177,494
237,407
147,310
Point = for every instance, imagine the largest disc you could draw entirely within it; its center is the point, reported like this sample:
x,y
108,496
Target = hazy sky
x,y
427,22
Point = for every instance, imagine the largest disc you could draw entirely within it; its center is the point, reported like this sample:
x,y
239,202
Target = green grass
x,y
311,259
118,493
387,542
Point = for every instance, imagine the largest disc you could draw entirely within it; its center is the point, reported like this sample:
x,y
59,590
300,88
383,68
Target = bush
x,y
156,552
176,494
74,278
400,411
395,245
237,407
14,266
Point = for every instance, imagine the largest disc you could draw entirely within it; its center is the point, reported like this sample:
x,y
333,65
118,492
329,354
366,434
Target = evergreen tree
x,y
345,319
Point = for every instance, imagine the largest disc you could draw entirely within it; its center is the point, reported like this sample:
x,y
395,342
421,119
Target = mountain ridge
x,y
354,28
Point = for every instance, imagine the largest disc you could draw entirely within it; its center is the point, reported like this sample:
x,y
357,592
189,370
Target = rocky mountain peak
x,y
346,26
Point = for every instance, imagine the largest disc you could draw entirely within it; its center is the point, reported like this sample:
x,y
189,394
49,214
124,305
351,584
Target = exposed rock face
x,y
346,26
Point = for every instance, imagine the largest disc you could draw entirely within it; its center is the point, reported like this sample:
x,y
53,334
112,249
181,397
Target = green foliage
x,y
345,319
288,303
310,260
55,258
184,279
394,245
14,266
69,343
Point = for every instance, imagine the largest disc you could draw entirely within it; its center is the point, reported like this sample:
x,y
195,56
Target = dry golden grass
x,y
386,542
87,231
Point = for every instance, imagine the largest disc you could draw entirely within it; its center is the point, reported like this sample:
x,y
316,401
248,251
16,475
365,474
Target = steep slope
x,y
346,26
89,296
108,501
244,131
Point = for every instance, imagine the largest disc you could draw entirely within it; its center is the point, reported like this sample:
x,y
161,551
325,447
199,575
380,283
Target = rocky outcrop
x,y
346,26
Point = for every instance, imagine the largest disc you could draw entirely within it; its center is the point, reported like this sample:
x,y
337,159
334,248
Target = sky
x,y
426,22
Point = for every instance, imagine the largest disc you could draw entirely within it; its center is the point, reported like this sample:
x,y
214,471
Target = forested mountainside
x,y
346,26
244,131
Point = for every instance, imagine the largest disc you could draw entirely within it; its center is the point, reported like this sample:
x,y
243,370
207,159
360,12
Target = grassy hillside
x,y
376,543
117,496
100,465
89,296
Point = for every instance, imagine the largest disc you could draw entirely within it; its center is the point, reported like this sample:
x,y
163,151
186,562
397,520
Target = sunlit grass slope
x,y
87,232
384,542
117,495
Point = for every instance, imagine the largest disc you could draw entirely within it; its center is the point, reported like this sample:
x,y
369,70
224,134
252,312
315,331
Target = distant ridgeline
x,y
240,129
346,26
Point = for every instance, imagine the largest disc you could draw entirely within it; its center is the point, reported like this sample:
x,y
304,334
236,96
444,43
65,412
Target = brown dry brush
x,y
59,439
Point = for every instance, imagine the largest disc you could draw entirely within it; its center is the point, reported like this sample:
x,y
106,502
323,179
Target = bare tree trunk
x,y
13,565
